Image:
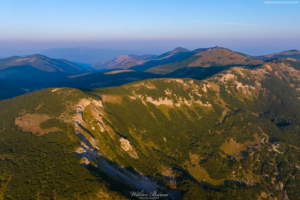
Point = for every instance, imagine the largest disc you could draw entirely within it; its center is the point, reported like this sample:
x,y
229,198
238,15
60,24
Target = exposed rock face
x,y
80,123
285,70
227,77
137,181
88,150
160,101
285,196
125,144
55,89
262,140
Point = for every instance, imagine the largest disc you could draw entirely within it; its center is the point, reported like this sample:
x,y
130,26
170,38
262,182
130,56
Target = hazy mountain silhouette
x,y
84,54
122,62
285,54
32,72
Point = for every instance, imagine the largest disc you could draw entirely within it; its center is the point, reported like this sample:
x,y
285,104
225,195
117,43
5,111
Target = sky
x,y
249,26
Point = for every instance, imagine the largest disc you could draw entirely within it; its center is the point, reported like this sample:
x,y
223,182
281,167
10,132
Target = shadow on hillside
x,y
114,185
227,183
153,63
201,73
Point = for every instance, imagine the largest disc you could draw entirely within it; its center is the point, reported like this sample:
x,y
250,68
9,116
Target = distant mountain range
x,y
36,71
85,55
216,56
42,63
172,56
227,57
285,54
122,62
141,63
181,63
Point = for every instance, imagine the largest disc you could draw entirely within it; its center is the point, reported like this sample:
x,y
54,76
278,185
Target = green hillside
x,y
234,135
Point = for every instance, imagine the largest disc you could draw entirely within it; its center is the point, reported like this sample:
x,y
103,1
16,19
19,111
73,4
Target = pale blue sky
x,y
244,25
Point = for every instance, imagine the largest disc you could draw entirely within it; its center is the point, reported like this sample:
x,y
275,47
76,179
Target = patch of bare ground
x,y
234,149
22,113
125,145
169,176
83,160
184,84
199,172
268,67
256,136
147,84
75,76
119,71
112,98
55,89
39,106
31,123
160,101
5,157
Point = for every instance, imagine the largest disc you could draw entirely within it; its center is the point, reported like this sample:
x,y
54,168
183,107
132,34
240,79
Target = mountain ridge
x,y
215,56
294,53
179,63
85,55
121,62
38,61
36,71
